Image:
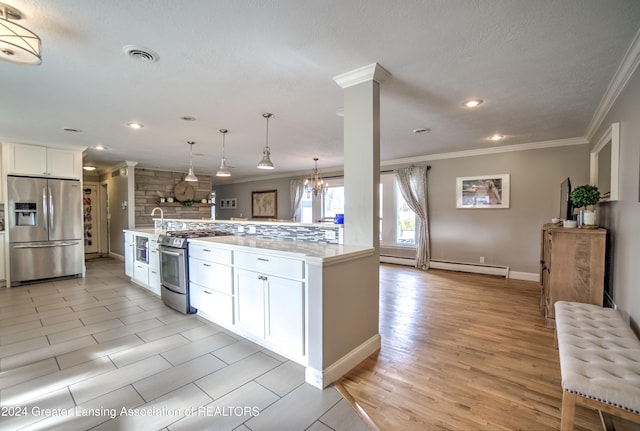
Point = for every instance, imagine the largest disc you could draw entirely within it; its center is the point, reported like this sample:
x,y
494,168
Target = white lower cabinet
x,y
129,254
271,308
260,296
285,315
154,280
141,273
250,302
213,304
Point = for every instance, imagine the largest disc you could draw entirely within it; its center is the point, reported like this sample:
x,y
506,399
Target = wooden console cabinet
x,y
572,262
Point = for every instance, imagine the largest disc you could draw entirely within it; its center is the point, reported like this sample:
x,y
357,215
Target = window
x,y
397,221
333,202
405,221
306,209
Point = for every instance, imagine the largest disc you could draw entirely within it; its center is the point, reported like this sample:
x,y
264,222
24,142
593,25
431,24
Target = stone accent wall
x,y
148,185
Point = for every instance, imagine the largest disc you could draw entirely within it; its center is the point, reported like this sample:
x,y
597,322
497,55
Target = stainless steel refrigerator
x,y
45,228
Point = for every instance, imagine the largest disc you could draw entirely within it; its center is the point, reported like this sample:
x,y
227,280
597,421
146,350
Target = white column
x,y
362,154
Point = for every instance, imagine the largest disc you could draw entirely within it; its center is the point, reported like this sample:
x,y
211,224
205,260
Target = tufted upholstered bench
x,y
599,362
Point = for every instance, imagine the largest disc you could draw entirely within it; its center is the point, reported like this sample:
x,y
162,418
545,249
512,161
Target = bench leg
x,y
568,414
607,422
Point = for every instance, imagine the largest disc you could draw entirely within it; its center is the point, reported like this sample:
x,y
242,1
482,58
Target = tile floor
x,y
102,353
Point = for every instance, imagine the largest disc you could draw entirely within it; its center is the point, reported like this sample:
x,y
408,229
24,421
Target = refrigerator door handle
x,y
50,210
45,208
49,245
36,246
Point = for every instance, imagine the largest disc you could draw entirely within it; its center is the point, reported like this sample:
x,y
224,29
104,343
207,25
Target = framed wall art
x,y
264,204
485,191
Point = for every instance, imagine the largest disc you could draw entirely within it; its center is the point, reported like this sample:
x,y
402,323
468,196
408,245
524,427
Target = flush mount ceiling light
x,y
191,176
224,169
135,125
472,103
17,44
266,162
496,137
89,168
100,147
315,184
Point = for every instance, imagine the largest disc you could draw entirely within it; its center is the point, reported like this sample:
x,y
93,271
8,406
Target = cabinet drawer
x,y
212,254
216,305
275,265
141,273
212,275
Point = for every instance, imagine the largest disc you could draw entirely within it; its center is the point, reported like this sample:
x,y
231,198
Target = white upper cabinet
x,y
35,160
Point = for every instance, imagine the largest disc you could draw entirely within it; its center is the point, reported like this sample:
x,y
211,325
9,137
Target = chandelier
x,y
315,184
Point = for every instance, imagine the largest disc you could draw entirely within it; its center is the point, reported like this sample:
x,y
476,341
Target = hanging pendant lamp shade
x,y
17,44
266,162
224,169
191,176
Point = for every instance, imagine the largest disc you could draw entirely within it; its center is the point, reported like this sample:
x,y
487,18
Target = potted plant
x,y
585,197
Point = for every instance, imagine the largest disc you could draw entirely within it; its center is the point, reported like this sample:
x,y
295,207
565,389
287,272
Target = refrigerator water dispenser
x,y
26,214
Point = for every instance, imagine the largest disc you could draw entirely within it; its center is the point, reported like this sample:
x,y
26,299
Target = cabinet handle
x,y
263,259
206,264
207,292
206,250
153,272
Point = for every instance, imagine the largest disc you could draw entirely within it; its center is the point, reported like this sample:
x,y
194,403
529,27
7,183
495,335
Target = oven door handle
x,y
170,253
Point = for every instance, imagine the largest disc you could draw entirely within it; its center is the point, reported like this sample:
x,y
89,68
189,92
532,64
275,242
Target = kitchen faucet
x,y
153,212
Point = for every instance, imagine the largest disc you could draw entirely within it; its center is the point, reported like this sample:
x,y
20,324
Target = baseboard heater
x,y
478,268
398,260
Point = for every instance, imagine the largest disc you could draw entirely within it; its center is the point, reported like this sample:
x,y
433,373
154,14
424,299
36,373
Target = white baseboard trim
x,y
116,256
471,267
527,276
398,260
322,379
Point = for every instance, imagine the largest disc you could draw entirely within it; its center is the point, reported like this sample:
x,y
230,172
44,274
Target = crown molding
x,y
618,83
371,72
487,151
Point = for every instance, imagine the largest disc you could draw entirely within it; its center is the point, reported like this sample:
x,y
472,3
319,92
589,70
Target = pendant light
x,y
191,176
224,169
315,184
17,44
266,162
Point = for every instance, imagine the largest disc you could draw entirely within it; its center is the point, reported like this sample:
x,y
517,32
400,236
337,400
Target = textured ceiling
x,y
541,66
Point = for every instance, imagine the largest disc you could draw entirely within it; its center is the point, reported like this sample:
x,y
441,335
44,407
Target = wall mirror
x,y
605,157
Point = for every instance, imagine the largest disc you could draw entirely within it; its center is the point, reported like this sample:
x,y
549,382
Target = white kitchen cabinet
x,y
141,273
36,160
213,304
211,287
3,274
129,254
154,280
250,304
268,306
285,305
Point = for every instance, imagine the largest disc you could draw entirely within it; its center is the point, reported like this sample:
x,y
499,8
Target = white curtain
x,y
296,190
412,182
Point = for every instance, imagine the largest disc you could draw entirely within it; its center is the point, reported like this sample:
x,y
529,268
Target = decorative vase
x,y
587,217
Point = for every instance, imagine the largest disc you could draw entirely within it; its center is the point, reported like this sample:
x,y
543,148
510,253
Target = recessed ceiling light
x,y
422,130
496,137
89,168
134,125
472,103
100,147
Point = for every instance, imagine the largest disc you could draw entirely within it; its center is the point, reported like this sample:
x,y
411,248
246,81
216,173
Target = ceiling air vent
x,y
139,53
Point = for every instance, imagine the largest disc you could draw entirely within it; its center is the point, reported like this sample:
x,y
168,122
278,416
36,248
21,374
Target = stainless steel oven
x,y
174,267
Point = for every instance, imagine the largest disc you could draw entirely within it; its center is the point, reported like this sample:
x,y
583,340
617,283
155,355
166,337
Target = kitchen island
x,y
316,304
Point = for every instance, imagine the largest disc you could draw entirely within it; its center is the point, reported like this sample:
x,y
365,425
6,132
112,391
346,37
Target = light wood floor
x,y
462,352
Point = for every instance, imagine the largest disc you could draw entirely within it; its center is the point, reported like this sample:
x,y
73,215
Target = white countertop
x,y
311,252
